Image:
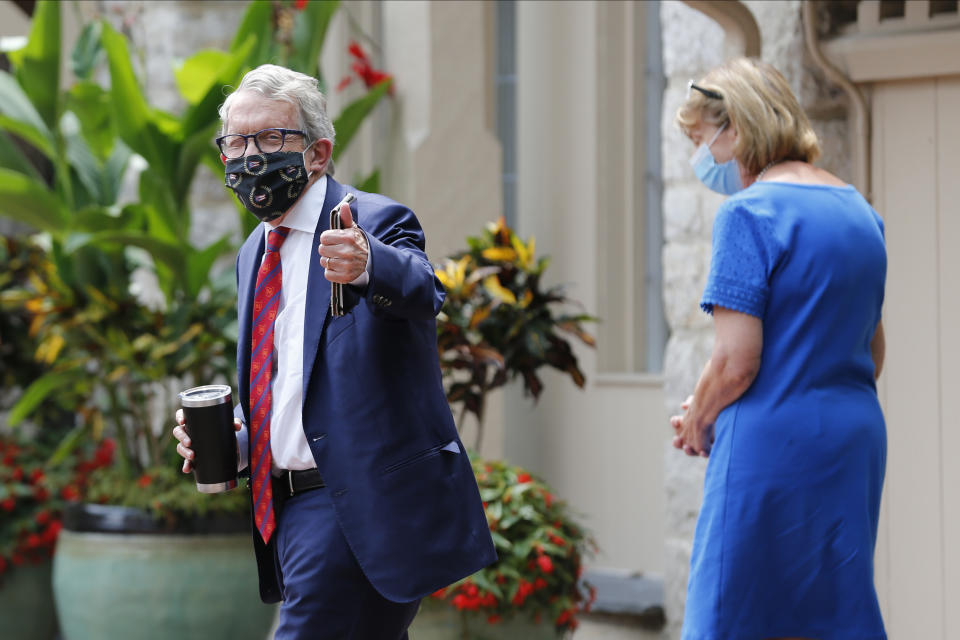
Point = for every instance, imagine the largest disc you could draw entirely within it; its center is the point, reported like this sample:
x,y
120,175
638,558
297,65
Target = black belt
x,y
298,481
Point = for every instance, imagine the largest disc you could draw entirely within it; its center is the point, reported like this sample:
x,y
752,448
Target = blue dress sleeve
x,y
744,252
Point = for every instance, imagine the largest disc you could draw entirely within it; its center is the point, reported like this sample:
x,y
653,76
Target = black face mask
x,y
267,183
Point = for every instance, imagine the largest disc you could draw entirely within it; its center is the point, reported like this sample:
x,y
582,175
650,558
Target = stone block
x,y
693,43
676,147
675,584
684,275
835,144
687,352
682,215
683,483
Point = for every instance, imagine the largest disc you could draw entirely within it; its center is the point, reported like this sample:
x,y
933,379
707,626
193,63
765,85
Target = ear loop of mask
x,y
717,134
304,153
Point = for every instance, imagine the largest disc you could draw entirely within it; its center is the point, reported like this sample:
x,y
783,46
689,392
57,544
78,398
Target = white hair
x,y
279,83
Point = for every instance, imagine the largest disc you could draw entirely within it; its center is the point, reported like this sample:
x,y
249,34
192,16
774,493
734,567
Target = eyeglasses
x,y
710,93
234,145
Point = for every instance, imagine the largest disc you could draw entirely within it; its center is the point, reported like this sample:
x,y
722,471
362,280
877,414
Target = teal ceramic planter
x,y
157,587
26,604
439,621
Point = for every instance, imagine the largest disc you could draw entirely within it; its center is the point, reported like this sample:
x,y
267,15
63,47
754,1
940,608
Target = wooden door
x,y
916,184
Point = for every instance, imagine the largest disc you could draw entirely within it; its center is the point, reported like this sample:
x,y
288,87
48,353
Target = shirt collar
x,y
305,214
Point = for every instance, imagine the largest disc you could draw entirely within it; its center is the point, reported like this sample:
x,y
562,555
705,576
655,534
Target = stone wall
x,y
693,44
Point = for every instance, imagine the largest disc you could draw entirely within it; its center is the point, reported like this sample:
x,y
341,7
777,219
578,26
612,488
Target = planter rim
x,y
107,518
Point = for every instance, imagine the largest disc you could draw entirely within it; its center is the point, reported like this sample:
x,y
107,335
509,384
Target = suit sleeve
x,y
402,282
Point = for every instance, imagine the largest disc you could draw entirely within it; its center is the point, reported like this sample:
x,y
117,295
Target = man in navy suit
x,y
366,501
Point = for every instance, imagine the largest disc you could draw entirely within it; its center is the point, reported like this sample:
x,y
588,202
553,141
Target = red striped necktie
x,y
266,301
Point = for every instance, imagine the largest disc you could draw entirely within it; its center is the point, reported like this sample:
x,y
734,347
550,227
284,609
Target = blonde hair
x,y
758,102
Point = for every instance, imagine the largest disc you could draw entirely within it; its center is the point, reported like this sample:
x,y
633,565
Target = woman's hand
x,y
692,440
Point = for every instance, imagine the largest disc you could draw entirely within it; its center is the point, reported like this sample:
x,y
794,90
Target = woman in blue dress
x,y
786,408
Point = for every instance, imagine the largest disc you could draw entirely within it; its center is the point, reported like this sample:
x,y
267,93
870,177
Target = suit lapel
x,y
248,263
317,312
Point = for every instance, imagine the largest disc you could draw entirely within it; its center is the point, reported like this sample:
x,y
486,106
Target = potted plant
x,y
533,589
498,323
32,498
124,312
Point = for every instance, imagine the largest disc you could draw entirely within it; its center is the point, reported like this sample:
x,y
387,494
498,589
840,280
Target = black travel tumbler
x,y
208,420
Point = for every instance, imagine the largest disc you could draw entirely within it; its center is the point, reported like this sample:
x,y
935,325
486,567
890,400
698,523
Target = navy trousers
x,y
326,596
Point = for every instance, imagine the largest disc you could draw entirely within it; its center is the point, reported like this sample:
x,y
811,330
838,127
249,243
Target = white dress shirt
x,y
288,443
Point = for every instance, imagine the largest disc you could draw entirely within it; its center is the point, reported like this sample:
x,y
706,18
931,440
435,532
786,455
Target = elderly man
x,y
363,497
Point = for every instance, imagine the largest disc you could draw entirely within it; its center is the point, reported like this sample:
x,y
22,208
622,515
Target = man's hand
x,y
343,252
183,444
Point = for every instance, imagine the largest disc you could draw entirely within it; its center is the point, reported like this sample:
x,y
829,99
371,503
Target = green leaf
x,y
87,52
80,157
220,71
169,253
149,132
309,31
199,263
348,122
19,116
370,184
37,392
500,541
199,73
68,444
113,171
38,63
12,157
29,201
91,104
258,22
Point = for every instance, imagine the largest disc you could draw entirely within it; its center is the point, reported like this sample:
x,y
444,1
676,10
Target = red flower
x,y
34,541
17,559
344,83
524,589
548,498
36,475
494,619
557,540
539,583
70,492
546,564
523,477
364,68
41,494
471,590
42,518
501,578
18,474
8,504
439,594
144,481
104,454
50,535
357,51
300,5
3,564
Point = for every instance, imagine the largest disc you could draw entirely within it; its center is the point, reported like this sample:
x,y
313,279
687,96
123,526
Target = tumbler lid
x,y
206,396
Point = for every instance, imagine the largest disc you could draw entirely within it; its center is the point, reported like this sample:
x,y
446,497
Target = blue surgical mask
x,y
722,178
